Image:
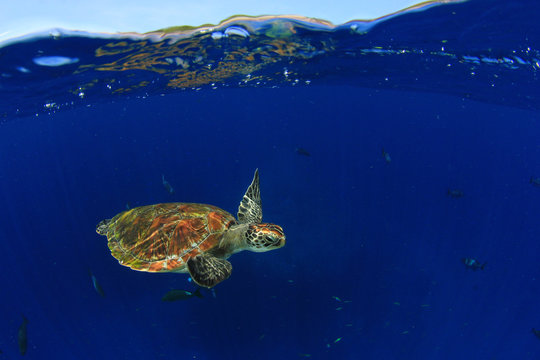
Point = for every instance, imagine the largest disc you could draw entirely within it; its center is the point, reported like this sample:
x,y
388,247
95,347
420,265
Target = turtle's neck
x,y
232,242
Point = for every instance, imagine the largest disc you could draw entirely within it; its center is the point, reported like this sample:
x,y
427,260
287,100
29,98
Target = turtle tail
x,y
103,227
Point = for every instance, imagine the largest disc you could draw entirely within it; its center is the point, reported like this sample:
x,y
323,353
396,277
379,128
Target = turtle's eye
x,y
270,240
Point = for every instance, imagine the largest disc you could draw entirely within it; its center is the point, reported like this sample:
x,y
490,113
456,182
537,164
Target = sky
x,y
27,16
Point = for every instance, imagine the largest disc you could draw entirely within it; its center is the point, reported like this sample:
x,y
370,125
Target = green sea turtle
x,y
187,237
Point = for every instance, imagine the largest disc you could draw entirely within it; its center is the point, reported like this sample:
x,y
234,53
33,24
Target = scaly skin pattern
x,y
162,237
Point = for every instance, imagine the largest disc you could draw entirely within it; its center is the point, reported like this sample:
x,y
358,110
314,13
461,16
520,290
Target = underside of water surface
x,y
461,48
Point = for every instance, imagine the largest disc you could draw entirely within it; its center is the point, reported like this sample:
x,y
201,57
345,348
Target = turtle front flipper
x,y
103,227
250,209
207,270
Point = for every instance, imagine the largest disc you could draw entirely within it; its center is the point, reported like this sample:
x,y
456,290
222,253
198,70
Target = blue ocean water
x,y
372,267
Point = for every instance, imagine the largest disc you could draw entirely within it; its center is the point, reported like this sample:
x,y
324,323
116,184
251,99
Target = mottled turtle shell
x,y
163,237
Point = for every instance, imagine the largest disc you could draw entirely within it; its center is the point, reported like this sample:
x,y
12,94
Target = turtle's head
x,y
264,237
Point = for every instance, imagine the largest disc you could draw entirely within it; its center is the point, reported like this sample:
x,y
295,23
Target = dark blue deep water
x,y
372,268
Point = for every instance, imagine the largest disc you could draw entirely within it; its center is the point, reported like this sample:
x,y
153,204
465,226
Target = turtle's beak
x,y
282,242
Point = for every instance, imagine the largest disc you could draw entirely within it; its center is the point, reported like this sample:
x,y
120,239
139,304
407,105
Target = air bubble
x,y
54,60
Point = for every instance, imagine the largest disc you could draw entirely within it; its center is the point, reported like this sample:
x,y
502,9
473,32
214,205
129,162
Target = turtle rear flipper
x,y
103,227
207,270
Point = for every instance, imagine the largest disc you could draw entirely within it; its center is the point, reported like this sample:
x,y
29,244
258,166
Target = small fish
x,y
339,308
455,193
128,206
166,185
303,152
23,336
386,156
473,264
96,284
535,181
175,295
304,355
536,332
337,340
336,298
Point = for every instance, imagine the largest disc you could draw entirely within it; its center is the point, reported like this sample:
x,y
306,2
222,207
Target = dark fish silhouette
x,y
473,264
535,181
166,185
23,336
536,332
386,156
455,193
175,295
301,151
96,284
